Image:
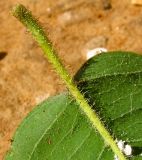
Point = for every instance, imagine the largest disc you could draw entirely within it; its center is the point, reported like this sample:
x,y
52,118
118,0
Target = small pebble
x,y
41,98
94,46
95,52
73,16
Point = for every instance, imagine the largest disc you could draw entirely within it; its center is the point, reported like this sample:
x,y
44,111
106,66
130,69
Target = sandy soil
x,y
26,78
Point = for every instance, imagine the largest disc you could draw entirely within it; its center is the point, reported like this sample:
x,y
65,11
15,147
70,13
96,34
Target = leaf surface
x,y
112,83
57,129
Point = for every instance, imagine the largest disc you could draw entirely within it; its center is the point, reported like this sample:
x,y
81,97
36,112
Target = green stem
x,y
22,14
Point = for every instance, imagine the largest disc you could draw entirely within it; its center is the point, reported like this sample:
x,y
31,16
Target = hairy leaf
x,y
57,129
112,83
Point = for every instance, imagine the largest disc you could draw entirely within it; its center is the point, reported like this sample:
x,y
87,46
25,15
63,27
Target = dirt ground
x,y
26,78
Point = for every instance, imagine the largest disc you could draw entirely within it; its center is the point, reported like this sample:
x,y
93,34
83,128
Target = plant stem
x,y
22,14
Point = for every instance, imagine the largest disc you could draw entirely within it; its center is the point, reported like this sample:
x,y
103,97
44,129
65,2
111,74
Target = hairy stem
x,y
23,15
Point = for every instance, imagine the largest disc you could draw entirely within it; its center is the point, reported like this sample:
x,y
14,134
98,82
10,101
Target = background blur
x,y
74,26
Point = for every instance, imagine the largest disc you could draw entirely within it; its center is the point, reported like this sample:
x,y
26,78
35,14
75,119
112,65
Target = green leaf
x,y
112,83
57,129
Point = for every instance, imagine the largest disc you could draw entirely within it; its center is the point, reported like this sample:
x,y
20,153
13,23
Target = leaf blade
x,y
50,146
72,136
115,93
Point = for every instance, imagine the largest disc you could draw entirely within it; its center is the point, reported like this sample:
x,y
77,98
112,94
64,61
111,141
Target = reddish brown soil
x,y
25,75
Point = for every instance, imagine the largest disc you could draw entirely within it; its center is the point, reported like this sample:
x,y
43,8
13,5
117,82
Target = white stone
x,y
41,98
94,52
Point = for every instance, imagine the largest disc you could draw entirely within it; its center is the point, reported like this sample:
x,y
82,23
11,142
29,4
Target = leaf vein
x,y
84,140
36,144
